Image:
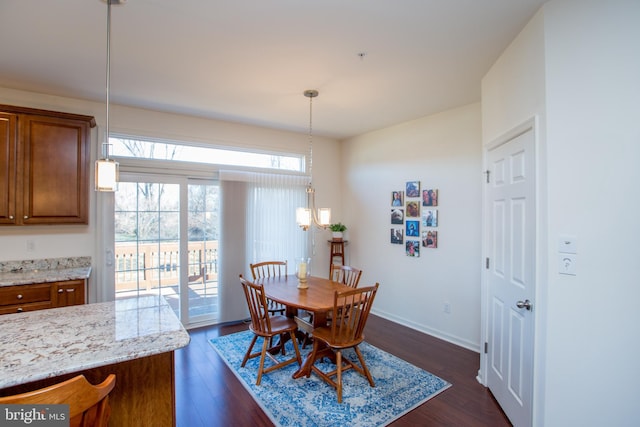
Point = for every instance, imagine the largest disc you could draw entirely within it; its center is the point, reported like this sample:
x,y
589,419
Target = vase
x,y
303,271
337,235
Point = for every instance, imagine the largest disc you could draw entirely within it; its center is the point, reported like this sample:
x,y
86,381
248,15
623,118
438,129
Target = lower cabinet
x,y
67,293
39,296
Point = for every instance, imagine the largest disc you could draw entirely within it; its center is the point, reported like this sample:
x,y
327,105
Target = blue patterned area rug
x,y
400,387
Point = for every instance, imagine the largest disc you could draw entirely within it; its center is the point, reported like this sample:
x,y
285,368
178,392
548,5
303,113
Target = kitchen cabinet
x,y
39,296
44,164
64,294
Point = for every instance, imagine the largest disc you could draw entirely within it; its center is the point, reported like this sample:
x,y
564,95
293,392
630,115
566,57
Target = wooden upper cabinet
x,y
8,147
51,165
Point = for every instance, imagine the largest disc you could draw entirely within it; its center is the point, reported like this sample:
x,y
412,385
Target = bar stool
x,y
88,404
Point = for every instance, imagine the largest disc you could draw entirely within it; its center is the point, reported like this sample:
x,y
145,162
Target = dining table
x,y
317,298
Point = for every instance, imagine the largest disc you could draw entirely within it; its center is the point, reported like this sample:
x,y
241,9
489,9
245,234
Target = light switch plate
x,y
567,244
567,264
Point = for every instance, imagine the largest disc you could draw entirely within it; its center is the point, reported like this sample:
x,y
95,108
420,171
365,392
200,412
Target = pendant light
x,y
310,216
106,173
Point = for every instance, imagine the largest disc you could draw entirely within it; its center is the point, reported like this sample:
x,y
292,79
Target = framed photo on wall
x,y
397,216
430,239
413,248
412,229
397,198
413,189
413,209
397,236
430,197
429,217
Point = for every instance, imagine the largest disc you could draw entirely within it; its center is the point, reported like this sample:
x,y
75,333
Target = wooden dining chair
x,y
345,274
267,326
270,269
349,317
88,404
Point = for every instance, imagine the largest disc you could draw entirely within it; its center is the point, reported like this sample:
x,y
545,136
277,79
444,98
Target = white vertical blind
x,y
257,224
272,231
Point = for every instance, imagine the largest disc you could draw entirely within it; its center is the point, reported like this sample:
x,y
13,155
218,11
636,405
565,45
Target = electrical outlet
x,y
31,245
447,308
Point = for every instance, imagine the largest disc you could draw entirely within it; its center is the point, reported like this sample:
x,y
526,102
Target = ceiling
x,y
375,63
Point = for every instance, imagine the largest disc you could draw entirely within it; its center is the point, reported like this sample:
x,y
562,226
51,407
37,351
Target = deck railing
x,y
152,265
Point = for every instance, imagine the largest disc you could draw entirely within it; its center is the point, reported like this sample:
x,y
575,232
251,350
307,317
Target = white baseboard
x,y
475,347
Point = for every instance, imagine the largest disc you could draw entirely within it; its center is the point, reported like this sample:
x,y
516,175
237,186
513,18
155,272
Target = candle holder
x,y
303,271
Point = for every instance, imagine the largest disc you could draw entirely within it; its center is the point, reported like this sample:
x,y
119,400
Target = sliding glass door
x,y
202,251
166,243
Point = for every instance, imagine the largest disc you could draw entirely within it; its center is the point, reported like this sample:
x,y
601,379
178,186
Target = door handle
x,y
524,304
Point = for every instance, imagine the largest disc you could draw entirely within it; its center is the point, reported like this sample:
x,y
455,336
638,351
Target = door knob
x,y
524,304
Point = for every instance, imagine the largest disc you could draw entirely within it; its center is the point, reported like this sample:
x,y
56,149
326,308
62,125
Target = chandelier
x,y
309,215
106,174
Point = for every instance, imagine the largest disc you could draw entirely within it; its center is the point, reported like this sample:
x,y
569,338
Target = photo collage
x,y
414,218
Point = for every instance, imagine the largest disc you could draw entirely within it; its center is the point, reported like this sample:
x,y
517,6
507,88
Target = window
x,y
161,150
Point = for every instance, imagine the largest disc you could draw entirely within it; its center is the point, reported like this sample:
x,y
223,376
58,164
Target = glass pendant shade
x,y
107,170
303,217
324,216
106,175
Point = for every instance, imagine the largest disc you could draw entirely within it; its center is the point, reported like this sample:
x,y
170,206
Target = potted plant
x,y
337,230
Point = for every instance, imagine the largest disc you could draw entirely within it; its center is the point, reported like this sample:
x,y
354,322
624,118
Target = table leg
x,y
292,313
319,319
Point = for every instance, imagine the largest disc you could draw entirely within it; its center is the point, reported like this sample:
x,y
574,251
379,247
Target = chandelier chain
x,y
311,138
108,82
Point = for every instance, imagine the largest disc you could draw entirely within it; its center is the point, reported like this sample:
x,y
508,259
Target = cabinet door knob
x,y
19,310
71,290
60,291
26,217
10,216
19,296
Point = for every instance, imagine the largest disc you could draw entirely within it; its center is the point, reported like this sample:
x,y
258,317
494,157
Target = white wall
x,y
63,241
513,92
442,151
588,341
593,89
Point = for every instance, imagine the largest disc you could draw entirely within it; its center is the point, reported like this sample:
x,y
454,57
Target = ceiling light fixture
x,y
310,216
106,175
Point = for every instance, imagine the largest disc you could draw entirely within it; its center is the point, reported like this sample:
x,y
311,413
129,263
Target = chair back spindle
x,y
345,274
268,269
349,316
258,308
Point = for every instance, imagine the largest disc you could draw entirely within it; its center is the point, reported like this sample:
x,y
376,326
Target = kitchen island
x,y
134,338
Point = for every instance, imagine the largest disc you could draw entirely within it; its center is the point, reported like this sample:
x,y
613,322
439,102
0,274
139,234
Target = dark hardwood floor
x,y
208,393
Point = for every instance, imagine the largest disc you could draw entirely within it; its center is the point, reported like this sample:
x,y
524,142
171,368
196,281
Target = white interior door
x,y
511,214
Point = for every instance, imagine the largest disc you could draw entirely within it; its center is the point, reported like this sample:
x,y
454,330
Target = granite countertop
x,y
41,276
25,272
47,343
